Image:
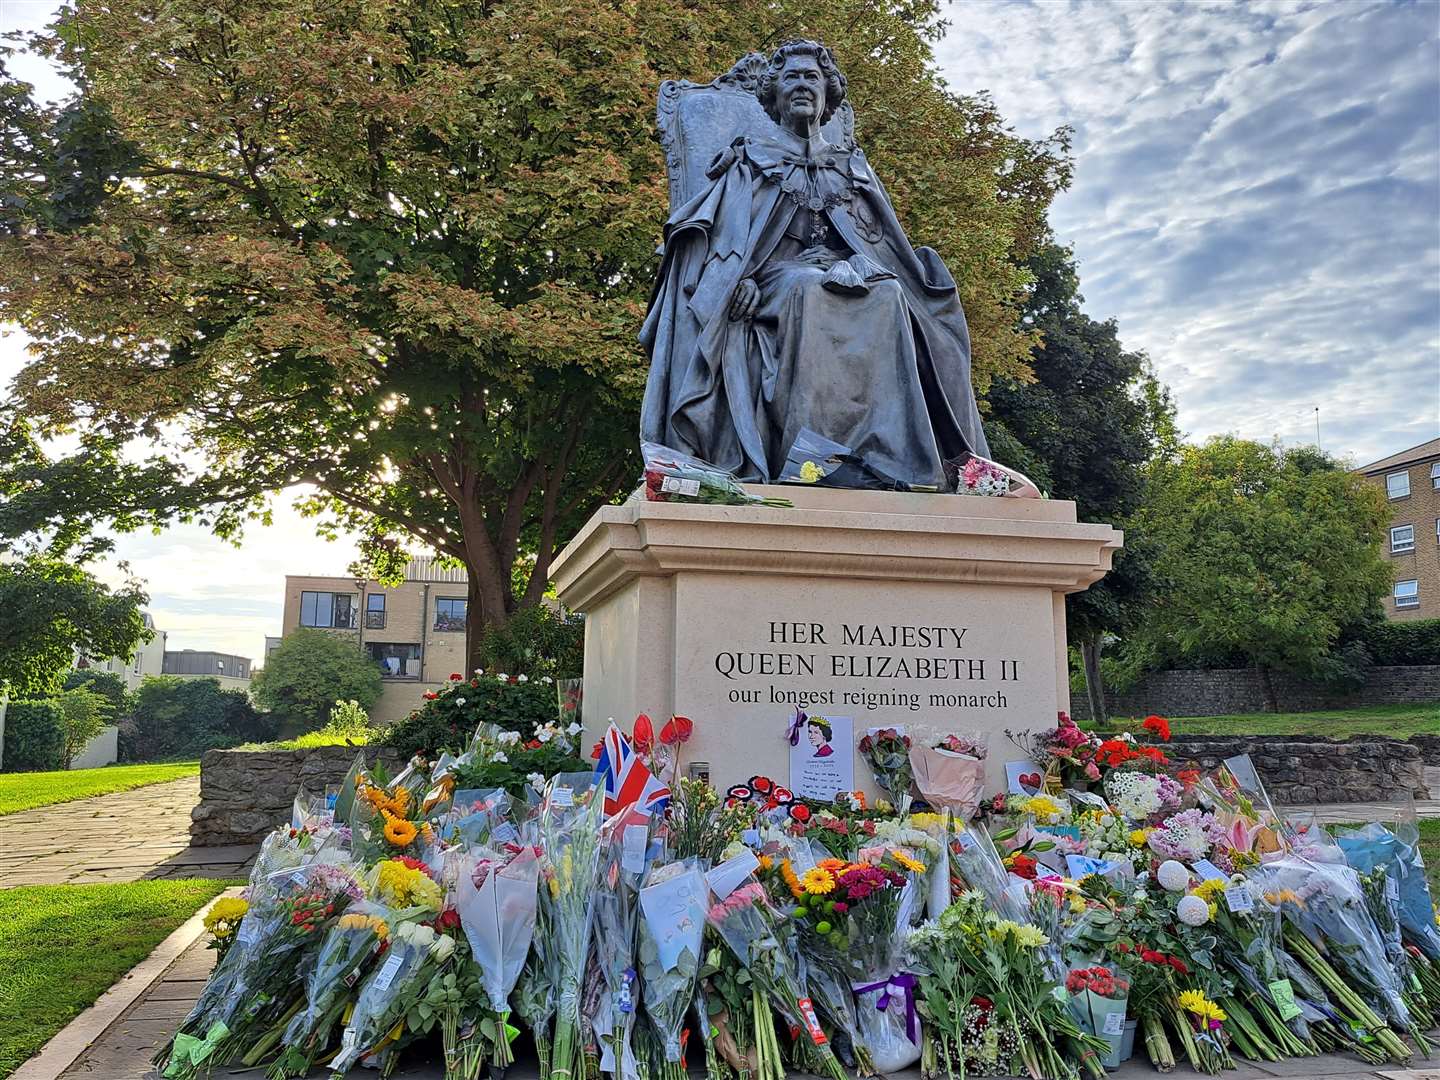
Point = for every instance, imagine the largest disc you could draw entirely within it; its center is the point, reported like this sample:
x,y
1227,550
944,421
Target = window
x,y
1435,476
1397,484
1407,594
1402,538
220,666
396,661
449,613
330,610
375,611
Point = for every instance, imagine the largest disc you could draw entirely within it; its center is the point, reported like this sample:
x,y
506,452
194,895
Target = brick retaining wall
x,y
1225,691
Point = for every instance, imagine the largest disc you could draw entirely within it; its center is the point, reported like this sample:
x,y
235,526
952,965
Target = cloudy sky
x,y
1256,201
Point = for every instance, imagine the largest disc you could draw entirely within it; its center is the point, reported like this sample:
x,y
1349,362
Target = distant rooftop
x,y
1423,452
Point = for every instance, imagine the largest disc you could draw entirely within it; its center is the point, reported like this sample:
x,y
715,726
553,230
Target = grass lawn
x,y
62,946
1401,721
27,790
1430,852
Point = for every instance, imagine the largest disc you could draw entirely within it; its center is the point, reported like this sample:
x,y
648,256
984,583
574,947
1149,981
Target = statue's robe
x,y
878,359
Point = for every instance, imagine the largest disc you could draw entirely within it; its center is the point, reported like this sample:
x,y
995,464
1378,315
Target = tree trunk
x,y
1094,682
485,610
1272,703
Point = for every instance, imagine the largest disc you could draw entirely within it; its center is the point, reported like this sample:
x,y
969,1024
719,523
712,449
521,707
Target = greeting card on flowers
x,y
674,910
822,758
1023,778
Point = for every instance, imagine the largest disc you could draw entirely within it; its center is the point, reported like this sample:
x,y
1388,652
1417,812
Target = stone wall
x,y
1303,770
1225,691
244,794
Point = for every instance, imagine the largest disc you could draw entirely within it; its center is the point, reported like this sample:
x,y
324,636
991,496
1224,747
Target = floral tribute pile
x,y
630,922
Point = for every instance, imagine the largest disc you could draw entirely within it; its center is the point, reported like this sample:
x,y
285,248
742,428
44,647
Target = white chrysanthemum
x,y
1192,910
1173,876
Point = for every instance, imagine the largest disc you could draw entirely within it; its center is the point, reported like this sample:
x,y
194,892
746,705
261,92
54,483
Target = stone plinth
x,y
939,612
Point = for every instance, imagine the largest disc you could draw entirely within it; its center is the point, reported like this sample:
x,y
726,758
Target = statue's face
x,y
802,89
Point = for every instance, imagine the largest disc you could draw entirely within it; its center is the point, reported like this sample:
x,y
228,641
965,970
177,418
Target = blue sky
x,y
1256,201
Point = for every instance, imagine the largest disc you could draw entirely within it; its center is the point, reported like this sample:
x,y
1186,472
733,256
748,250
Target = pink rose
x,y
1092,771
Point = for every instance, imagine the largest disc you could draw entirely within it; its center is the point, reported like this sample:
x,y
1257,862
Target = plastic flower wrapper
x,y
672,902
474,815
497,900
951,774
251,989
1397,851
570,839
349,948
1098,998
887,750
757,935
975,865
671,476
1234,794
389,992
625,857
1328,928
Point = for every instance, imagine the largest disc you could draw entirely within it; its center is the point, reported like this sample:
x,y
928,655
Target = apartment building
x,y
149,659
1411,482
231,671
415,633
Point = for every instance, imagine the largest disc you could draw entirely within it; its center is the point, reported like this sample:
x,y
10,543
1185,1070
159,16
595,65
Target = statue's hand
x,y
819,255
747,299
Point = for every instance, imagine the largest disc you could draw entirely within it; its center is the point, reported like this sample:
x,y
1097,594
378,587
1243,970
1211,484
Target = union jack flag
x,y
624,777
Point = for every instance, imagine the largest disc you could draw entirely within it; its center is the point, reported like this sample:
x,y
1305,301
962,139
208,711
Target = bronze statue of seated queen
x,y
789,302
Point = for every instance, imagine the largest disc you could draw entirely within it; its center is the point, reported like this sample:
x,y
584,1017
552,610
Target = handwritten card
x,y
822,762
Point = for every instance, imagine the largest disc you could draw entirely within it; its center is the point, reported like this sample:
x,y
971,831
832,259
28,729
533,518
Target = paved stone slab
x,y
126,836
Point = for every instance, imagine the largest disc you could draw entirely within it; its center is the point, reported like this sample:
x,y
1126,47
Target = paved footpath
x,y
123,1052
127,836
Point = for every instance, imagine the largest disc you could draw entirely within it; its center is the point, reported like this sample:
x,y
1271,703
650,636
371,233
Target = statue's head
x,y
789,83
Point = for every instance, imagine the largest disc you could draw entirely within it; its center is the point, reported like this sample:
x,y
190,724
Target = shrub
x,y
185,717
311,670
34,736
348,720
83,715
448,717
1400,643
108,685
537,642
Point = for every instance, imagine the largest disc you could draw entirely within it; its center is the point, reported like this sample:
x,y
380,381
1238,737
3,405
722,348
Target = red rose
x,y
430,695
455,676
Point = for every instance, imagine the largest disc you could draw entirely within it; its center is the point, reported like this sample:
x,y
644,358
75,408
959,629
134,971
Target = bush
x,y
1400,643
34,736
83,715
538,643
348,721
176,717
108,685
311,670
449,717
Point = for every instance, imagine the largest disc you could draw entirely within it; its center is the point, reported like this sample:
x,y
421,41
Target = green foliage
x,y
83,715
1261,552
34,736
522,762
105,683
537,642
348,719
450,716
1398,643
401,251
309,671
52,608
175,717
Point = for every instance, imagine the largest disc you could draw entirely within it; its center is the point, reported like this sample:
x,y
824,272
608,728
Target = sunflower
x,y
818,882
766,862
914,865
399,832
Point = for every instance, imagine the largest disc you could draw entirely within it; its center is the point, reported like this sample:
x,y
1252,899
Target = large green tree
x,y
309,672
399,250
1085,427
1260,552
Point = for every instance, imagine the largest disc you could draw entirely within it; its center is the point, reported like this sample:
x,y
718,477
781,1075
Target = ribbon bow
x,y
795,726
187,1050
904,982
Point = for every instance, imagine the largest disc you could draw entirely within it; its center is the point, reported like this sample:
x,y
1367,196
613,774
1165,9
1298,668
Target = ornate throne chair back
x,y
697,121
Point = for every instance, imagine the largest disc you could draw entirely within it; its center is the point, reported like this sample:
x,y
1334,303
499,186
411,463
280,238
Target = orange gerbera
x,y
399,832
833,865
787,873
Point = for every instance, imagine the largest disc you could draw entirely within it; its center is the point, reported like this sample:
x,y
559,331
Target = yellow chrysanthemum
x,y
1138,837
1193,1001
400,886
1042,808
787,874
399,832
1208,890
224,916
907,862
818,882
1029,937
810,472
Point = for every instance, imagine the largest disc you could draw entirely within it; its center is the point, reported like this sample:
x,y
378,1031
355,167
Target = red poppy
x,y
677,729
1158,726
739,792
644,737
762,784
783,795
799,812
455,676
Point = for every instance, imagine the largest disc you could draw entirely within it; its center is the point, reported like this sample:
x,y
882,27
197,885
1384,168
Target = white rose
x,y
479,671
1193,911
459,701
536,780
522,678
1173,876
442,948
500,757
502,677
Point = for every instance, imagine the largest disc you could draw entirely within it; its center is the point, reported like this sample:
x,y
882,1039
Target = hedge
x,y
1396,644
34,736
